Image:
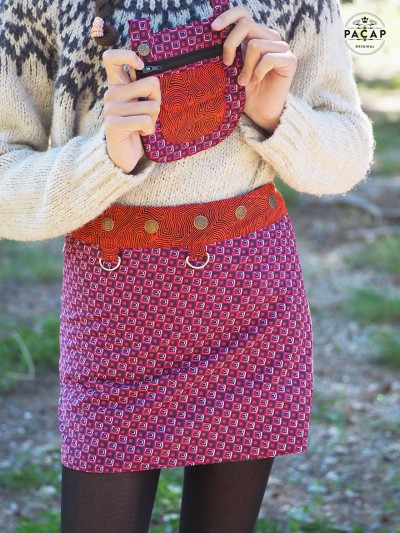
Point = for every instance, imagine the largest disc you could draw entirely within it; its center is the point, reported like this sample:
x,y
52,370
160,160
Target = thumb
x,y
132,73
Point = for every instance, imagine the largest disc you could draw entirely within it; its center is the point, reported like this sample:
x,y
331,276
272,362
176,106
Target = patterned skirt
x,y
166,363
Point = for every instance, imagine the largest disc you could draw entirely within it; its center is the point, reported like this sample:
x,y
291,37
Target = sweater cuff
x,y
263,142
284,147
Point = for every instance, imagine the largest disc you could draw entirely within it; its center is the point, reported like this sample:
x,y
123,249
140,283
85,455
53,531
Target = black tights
x,y
216,498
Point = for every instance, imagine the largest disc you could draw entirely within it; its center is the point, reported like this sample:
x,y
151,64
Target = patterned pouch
x,y
201,100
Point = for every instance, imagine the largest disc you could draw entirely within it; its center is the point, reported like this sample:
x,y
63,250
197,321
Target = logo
x,y
364,33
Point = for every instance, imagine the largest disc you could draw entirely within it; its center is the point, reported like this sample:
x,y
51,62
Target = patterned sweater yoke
x,y
55,172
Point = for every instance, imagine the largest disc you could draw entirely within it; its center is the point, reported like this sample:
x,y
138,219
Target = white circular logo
x,y
364,33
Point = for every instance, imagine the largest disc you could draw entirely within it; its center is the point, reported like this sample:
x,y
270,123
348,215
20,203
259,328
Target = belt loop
x,y
197,250
198,267
110,269
109,254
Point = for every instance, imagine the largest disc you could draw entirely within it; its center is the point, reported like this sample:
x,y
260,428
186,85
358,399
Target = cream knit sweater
x,y
52,83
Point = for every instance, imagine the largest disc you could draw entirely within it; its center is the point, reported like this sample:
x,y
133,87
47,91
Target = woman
x,y
168,360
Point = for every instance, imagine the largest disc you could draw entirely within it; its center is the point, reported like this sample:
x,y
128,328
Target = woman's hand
x,y
125,117
268,66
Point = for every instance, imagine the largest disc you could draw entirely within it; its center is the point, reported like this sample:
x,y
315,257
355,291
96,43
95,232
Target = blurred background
x,y
349,478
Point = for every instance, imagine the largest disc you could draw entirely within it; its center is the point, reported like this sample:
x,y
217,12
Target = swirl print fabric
x,y
163,366
193,103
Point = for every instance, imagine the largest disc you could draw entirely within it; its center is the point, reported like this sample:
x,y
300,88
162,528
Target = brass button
x,y
107,224
200,222
240,212
143,49
151,226
272,201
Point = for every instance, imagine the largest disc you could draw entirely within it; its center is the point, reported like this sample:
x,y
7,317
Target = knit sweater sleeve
x,y
46,192
324,141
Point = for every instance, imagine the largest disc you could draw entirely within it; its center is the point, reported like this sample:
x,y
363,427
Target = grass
x,y
387,345
48,522
386,132
370,306
295,525
304,519
29,262
391,430
379,84
373,307
165,517
323,411
30,476
383,256
27,349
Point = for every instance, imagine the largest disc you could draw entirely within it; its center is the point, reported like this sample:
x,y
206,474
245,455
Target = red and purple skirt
x,y
185,337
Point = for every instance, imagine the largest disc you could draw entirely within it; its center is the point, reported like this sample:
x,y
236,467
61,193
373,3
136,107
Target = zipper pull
x,y
151,68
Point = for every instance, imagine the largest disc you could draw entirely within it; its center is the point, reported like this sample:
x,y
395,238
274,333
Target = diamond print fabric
x,y
162,365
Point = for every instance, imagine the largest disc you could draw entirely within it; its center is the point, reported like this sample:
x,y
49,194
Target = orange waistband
x,y
192,226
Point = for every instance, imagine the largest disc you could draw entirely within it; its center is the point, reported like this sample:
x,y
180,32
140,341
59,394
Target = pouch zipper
x,y
174,62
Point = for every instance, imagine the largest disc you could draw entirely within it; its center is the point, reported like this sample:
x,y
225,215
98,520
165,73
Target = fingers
x,y
121,107
230,16
258,58
240,15
126,117
123,112
127,109
113,63
120,102
148,87
245,28
284,63
263,48
125,126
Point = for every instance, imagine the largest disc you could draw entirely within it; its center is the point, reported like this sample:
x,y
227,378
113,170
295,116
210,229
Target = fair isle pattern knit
x,y
80,15
52,87
165,366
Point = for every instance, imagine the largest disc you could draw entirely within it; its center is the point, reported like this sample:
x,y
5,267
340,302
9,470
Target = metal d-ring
x,y
110,269
198,267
